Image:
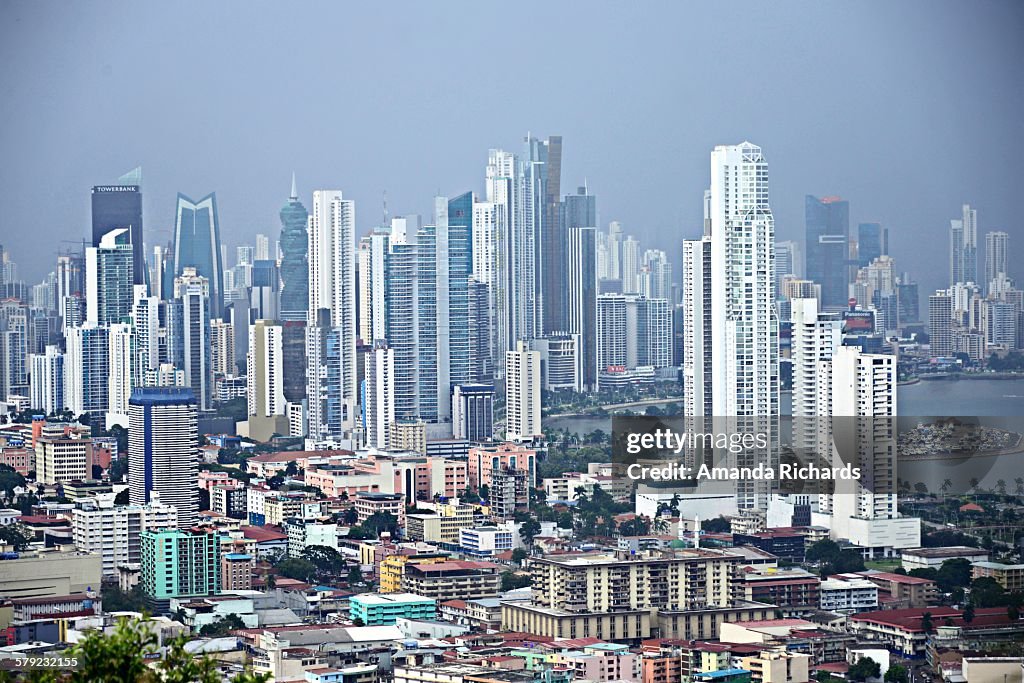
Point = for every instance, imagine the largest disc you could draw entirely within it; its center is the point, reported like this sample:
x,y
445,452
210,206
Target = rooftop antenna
x,y
385,208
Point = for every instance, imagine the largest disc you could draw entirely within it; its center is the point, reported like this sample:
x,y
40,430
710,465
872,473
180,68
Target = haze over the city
x,y
906,109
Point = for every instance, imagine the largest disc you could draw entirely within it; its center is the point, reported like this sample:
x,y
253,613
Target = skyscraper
x,y
380,397
630,266
872,242
996,246
827,245
47,381
295,258
193,294
552,236
265,372
940,323
332,282
522,394
963,247
163,450
581,299
197,245
698,388
86,369
120,206
815,338
123,373
109,290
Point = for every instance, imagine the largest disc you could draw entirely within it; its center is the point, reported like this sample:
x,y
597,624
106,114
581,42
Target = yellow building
x,y
392,569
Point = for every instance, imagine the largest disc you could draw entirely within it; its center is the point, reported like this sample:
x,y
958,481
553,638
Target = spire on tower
x,y
295,192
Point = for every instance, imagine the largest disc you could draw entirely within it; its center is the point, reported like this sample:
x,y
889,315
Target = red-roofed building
x,y
899,591
971,507
906,630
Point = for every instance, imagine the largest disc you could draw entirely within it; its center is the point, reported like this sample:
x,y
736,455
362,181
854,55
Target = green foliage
x,y
297,568
864,669
716,525
122,498
379,522
897,673
10,480
927,625
825,550
955,573
327,560
355,575
16,535
987,592
1013,362
511,580
236,408
117,600
518,555
528,530
222,627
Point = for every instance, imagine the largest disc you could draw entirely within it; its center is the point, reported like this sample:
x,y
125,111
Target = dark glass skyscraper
x,y
827,248
872,242
197,245
120,206
552,238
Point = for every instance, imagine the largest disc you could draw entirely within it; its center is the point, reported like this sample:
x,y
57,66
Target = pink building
x,y
484,460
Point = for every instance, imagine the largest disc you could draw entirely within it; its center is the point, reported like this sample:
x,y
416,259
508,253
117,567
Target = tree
x,y
716,525
16,535
355,575
358,621
511,580
528,530
897,673
117,600
518,555
121,657
863,669
849,560
297,568
955,573
469,496
123,497
380,522
349,516
825,550
10,480
222,627
926,622
291,469
271,581
986,592
204,499
969,613
327,560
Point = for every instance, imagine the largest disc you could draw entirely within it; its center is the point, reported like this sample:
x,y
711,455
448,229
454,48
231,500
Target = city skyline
x,y
623,171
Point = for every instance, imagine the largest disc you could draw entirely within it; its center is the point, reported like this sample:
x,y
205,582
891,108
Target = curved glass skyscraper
x,y
294,258
197,245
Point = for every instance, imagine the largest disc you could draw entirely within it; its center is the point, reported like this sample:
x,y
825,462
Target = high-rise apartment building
x,y
86,369
996,251
963,247
109,290
332,283
815,338
522,394
179,563
473,412
46,387
197,246
859,391
827,245
581,300
163,449
379,405
124,373
193,295
940,324
62,457
698,387
114,532
295,258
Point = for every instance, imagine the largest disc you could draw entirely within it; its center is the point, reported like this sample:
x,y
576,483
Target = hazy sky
x,y
908,109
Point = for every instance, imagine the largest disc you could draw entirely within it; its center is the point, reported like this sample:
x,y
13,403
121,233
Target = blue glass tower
x,y
197,245
294,258
827,248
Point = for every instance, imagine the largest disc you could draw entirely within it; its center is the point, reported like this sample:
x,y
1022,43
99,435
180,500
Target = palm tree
x,y
1019,481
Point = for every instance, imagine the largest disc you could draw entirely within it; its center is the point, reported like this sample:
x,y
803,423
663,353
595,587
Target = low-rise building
x,y
369,503
1009,576
377,609
794,591
47,573
778,666
236,571
848,595
180,563
453,579
932,558
485,541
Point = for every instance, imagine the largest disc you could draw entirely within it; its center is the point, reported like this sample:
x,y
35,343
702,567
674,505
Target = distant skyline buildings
x,y
827,247
197,244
